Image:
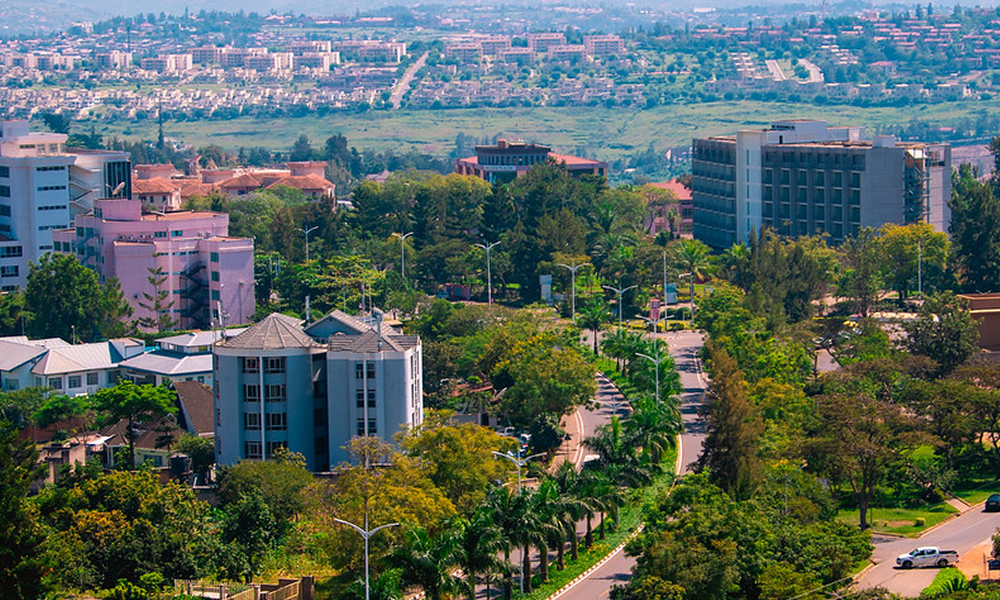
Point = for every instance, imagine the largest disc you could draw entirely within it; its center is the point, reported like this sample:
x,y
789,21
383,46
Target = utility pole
x,y
656,351
366,534
402,251
489,274
307,232
572,270
620,292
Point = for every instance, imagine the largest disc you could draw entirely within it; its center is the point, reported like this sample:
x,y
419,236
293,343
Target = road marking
x,y
579,447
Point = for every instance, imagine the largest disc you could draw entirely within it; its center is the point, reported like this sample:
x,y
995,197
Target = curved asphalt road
x,y
684,346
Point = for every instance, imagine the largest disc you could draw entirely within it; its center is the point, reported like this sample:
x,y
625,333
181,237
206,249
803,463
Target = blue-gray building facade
x,y
312,388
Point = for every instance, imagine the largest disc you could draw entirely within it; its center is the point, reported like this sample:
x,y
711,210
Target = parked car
x,y
993,503
927,556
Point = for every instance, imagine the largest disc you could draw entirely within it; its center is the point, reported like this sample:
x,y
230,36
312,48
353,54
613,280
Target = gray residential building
x,y
312,388
805,178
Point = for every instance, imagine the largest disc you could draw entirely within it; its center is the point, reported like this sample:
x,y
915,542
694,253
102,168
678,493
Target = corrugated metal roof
x,y
170,364
81,357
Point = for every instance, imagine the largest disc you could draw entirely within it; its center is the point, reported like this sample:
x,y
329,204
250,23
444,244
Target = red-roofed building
x,y
674,215
507,160
157,194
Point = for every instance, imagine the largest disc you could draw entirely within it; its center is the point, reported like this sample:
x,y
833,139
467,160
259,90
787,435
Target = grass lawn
x,y
976,491
605,133
901,521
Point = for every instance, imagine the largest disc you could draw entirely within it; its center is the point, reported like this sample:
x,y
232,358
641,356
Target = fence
x,y
285,589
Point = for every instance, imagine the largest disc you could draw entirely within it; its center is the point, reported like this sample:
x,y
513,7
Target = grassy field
x,y
974,492
605,133
901,521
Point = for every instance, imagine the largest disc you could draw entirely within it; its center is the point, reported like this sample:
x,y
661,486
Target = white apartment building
x,y
43,185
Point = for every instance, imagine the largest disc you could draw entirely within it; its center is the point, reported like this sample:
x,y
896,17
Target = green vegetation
x,y
910,522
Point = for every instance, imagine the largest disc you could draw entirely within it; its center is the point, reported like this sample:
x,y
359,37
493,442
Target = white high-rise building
x,y
43,185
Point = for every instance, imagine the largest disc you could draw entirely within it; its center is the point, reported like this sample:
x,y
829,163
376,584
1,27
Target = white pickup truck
x,y
927,556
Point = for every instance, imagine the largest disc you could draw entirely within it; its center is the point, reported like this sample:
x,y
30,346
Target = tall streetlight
x,y
402,251
307,232
656,350
489,274
620,292
572,270
519,462
691,275
366,534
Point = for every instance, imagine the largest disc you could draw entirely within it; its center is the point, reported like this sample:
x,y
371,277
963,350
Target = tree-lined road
x,y
684,347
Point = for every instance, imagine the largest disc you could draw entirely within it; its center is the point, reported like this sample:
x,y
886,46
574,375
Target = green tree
x,y
479,542
65,296
427,562
862,283
733,426
158,303
693,257
21,537
280,481
201,451
912,248
975,231
592,316
943,331
137,405
302,150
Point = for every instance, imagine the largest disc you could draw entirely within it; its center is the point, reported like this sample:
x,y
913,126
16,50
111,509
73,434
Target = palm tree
x,y
616,450
574,485
559,509
594,314
479,544
500,507
427,562
529,531
692,256
624,346
654,426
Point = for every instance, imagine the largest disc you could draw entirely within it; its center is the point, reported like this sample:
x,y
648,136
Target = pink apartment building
x,y
208,273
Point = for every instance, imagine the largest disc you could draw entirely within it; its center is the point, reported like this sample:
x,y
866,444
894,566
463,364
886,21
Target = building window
x,y
159,234
10,271
215,294
251,364
5,172
176,233
4,210
275,364
11,252
55,383
276,422
252,450
274,393
251,421
273,446
251,393
359,398
215,276
372,430
4,191
92,379
75,381
213,256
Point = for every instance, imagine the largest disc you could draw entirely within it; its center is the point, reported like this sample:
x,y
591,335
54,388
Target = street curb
x,y
950,517
862,572
597,565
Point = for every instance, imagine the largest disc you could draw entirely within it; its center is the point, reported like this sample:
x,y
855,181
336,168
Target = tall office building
x,y
43,185
805,178
312,388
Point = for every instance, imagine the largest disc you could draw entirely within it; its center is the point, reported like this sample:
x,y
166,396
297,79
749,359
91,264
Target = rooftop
x,y
274,332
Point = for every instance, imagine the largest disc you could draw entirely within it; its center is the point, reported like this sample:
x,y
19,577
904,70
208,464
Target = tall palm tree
x,y
529,531
693,257
616,450
479,542
500,505
654,427
574,484
594,314
624,346
428,562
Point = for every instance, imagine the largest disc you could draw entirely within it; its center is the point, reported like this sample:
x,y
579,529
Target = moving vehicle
x,y
993,503
927,556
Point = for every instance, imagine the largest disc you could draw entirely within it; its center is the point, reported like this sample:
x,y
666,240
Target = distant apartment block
x,y
311,388
603,45
306,47
508,160
113,60
566,52
540,42
494,45
209,275
168,63
805,178
43,185
464,52
370,50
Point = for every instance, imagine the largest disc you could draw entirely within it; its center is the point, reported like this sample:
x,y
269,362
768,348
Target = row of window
x,y
819,178
52,207
251,450
361,398
274,421
819,195
50,188
359,370
9,271
272,364
11,251
73,381
272,393
43,169
48,227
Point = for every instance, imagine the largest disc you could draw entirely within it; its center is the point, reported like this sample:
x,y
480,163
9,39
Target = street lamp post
x,y
489,274
366,534
691,276
307,232
519,462
402,251
620,292
656,350
572,270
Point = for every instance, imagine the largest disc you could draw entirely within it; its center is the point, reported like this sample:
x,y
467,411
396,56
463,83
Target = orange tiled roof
x,y
306,183
156,185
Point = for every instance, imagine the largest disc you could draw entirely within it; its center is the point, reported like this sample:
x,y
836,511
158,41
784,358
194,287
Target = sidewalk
x,y
572,447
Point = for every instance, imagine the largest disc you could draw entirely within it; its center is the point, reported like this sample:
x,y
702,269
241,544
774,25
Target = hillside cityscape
x,y
561,300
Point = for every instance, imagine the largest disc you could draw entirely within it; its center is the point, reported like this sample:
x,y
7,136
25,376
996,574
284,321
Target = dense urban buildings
x,y
507,160
311,388
43,186
805,178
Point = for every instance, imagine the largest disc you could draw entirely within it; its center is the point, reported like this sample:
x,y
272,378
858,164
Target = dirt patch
x,y
973,563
